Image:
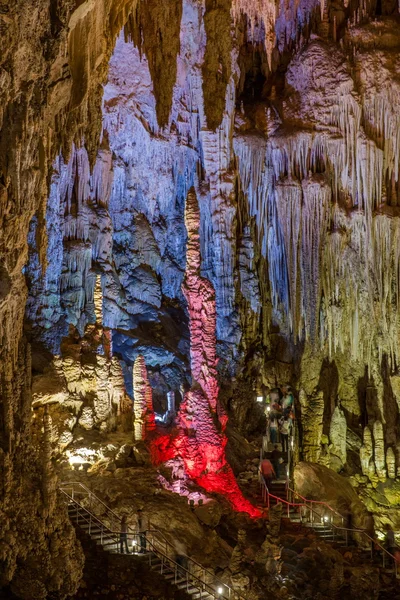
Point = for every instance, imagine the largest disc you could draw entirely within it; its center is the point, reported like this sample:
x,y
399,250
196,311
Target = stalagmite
x,y
46,456
397,455
142,400
337,435
379,450
200,297
366,452
98,301
391,463
199,443
312,408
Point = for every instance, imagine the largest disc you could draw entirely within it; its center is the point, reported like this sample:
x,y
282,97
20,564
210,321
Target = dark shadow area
x,y
390,408
368,400
328,383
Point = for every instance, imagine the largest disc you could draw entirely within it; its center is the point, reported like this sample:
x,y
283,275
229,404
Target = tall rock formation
x,y
201,441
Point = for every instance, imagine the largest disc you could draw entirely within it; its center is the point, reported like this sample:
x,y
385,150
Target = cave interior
x,y
200,237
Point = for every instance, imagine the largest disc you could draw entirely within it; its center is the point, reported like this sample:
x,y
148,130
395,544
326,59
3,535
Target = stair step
x,y
155,563
202,596
93,528
191,589
171,578
106,542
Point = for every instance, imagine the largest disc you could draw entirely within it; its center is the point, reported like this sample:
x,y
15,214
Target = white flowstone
x,y
337,435
379,450
391,463
366,452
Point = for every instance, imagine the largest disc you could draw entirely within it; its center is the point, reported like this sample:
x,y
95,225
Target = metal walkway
x,y
319,516
88,512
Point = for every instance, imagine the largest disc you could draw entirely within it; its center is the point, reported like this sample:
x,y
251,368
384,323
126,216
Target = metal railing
x,y
190,575
309,513
329,513
81,494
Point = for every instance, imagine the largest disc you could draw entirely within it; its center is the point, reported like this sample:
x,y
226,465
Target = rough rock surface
x,y
320,483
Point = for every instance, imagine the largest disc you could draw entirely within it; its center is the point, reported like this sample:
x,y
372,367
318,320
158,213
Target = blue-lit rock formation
x,y
124,221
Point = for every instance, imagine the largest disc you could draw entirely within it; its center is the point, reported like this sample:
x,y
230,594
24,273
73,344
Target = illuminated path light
x,y
200,441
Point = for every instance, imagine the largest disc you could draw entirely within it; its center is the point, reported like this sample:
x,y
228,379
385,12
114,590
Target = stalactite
x,y
315,222
289,205
265,11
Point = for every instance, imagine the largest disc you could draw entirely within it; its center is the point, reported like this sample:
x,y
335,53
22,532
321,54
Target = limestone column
x,y
312,412
142,400
391,463
379,450
366,453
337,434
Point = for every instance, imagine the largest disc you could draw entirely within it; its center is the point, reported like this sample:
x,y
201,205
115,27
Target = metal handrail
x,y
190,559
232,595
90,494
331,525
320,502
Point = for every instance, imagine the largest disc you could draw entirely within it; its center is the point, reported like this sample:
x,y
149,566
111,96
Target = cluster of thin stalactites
x,y
333,252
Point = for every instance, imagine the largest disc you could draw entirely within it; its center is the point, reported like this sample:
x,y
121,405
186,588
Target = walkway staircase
x,y
327,523
97,520
278,493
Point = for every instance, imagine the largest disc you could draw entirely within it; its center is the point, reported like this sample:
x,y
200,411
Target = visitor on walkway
x,y
284,430
276,458
123,536
273,429
291,417
287,400
267,471
275,404
142,527
376,549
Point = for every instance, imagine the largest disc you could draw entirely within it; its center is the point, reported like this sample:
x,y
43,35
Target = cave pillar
x,y
200,442
379,450
366,453
391,463
142,400
312,412
98,310
337,435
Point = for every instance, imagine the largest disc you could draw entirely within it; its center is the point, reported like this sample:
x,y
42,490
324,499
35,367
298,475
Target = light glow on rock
x,y
200,441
